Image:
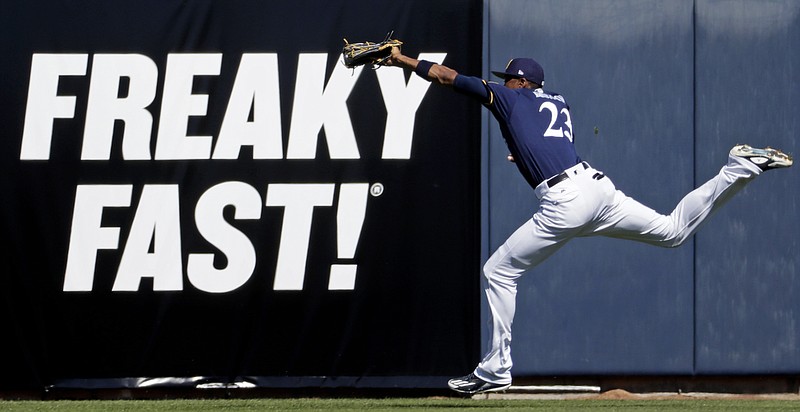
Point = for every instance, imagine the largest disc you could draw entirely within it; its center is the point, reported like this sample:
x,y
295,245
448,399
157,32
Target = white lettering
x,y
402,102
153,248
105,106
122,87
157,223
252,118
44,104
232,243
317,105
298,201
256,87
350,213
88,236
178,104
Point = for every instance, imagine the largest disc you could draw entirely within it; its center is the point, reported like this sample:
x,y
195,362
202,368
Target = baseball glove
x,y
368,53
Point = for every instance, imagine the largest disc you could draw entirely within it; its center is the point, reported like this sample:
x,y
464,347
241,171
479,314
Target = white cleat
x,y
767,158
472,384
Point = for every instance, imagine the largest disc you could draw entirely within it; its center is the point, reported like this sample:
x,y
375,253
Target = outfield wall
x,y
670,87
198,194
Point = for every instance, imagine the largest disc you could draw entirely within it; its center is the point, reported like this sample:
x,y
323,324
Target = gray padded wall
x,y
748,270
660,80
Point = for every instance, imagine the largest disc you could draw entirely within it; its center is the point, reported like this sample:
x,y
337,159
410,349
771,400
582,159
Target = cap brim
x,y
501,75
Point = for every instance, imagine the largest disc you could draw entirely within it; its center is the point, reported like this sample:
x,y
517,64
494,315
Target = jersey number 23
x,y
555,129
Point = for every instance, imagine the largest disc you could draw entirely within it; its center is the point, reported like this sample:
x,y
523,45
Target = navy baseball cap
x,y
523,67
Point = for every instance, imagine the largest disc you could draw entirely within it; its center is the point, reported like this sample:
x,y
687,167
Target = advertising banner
x,y
200,191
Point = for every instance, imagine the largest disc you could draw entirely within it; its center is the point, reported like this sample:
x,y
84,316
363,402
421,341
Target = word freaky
x,y
255,93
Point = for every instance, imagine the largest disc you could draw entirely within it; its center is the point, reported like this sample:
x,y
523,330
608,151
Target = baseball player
x,y
575,198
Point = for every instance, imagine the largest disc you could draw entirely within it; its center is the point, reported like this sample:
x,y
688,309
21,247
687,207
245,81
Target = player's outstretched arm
x,y
435,73
468,85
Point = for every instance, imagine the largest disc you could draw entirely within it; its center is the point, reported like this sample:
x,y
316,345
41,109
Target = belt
x,y
565,174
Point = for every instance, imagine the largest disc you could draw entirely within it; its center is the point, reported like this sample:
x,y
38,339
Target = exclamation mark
x,y
350,214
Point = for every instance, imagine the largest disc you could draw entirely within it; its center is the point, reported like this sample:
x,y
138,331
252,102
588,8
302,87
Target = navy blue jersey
x,y
536,125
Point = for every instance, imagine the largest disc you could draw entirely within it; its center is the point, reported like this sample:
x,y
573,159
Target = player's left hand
x,y
394,57
368,53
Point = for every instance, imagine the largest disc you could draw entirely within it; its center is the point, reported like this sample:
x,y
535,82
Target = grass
x,y
401,404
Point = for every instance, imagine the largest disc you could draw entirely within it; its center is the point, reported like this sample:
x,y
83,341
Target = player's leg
x,y
627,218
527,247
558,220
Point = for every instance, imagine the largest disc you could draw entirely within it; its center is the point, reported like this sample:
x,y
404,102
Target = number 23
x,y
560,132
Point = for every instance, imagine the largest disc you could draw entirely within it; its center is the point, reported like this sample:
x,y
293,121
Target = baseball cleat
x,y
472,384
767,158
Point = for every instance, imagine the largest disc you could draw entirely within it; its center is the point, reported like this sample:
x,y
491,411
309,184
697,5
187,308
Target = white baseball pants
x,y
588,205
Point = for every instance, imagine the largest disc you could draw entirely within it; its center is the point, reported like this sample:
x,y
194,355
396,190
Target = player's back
x,y
537,126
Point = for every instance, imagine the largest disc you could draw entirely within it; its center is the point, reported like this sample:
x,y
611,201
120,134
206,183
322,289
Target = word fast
x,y
316,104
157,223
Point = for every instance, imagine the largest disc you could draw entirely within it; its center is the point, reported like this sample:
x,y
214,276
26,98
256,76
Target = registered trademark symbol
x,y
376,189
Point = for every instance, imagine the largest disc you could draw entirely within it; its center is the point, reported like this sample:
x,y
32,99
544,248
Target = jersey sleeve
x,y
473,87
502,99
496,97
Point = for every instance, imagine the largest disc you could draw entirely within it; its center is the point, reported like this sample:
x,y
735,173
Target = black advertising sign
x,y
201,189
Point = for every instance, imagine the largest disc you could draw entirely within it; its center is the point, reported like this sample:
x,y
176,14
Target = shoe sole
x,y
495,389
767,158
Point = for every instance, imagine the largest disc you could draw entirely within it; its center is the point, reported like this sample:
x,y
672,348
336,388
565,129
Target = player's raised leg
x,y
626,218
